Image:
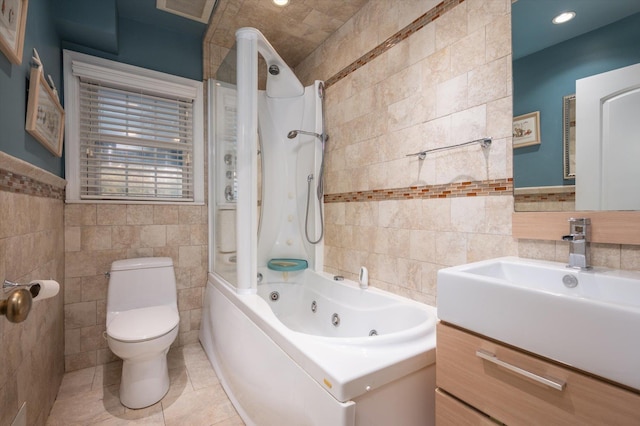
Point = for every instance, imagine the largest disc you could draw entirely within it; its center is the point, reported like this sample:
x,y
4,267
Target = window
x,y
133,134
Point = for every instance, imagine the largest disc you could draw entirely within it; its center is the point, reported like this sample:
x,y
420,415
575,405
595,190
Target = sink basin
x,y
586,319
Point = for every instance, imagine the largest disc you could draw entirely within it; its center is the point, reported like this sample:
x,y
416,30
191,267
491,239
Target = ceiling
x,y
294,30
533,30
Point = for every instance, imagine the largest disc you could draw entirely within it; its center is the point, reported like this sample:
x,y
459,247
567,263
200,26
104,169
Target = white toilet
x,y
142,322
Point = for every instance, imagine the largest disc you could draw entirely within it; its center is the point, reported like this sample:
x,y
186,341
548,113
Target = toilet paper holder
x,y
16,307
34,289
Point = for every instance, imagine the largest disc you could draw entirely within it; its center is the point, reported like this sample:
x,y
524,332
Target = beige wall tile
x,y
72,238
153,236
189,215
189,298
451,96
80,360
125,237
189,256
139,214
77,315
32,245
497,33
486,246
178,235
111,214
630,257
607,255
451,248
95,238
499,118
80,214
165,215
488,82
79,264
72,341
468,214
422,245
468,53
72,290
451,27
94,288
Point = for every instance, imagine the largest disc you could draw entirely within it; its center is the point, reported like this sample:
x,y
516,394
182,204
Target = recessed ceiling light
x,y
281,2
564,17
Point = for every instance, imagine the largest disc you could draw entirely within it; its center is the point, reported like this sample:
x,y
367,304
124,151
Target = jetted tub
x,y
309,350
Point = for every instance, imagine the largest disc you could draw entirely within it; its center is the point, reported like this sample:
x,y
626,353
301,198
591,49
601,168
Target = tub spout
x,y
364,278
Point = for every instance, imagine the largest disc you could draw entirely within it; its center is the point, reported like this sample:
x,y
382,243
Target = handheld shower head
x,y
292,134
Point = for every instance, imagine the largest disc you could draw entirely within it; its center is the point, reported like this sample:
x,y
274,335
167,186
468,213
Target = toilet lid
x,y
143,323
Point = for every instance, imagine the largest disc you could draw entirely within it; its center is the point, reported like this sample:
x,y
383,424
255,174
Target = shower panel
x,y
264,152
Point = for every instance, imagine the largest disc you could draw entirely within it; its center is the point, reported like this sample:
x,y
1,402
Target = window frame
x,y
132,78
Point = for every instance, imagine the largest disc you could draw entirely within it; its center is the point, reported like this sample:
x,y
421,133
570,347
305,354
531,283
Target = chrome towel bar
x,y
484,142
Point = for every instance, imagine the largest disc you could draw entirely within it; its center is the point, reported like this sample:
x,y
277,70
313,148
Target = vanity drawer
x,y
493,378
451,412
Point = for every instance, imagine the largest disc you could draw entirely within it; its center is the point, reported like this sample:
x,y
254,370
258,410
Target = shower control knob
x,y
289,242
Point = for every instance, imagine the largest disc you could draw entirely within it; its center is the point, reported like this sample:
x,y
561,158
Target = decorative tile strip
x,y
539,198
430,16
20,184
451,190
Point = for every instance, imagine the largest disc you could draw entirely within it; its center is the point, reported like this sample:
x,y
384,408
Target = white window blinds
x,y
134,145
132,134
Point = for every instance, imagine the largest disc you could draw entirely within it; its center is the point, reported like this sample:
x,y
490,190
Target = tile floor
x,y
195,398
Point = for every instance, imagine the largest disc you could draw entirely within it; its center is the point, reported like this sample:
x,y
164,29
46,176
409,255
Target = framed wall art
x,y
13,21
526,130
45,115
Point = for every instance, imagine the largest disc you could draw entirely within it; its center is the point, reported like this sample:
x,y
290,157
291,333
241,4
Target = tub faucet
x,y
364,278
578,237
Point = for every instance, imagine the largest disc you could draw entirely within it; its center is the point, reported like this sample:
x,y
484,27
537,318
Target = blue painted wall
x,y
152,47
14,140
542,79
141,36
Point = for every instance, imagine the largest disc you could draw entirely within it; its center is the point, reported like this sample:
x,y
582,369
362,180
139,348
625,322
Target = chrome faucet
x,y
579,235
364,278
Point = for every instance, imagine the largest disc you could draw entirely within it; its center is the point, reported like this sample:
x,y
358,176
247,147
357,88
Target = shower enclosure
x,y
266,164
329,352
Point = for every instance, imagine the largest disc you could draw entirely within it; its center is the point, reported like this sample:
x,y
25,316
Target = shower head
x,y
292,134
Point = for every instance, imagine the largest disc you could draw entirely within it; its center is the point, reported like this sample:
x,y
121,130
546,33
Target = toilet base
x,y
145,373
144,382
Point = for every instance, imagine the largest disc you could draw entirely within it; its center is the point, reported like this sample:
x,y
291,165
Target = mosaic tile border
x,y
430,16
458,189
21,184
545,197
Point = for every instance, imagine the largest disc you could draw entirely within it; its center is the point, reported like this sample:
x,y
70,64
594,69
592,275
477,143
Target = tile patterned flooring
x,y
195,398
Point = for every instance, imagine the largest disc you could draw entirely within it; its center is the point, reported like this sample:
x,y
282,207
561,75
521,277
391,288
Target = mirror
x,y
569,136
547,61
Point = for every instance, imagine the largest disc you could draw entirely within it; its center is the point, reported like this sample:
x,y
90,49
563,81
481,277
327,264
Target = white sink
x,y
594,326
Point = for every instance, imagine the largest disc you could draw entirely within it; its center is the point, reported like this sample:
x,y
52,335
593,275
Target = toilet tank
x,y
141,283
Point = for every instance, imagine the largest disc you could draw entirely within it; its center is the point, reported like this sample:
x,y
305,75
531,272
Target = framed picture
x,y
45,115
13,21
569,136
526,130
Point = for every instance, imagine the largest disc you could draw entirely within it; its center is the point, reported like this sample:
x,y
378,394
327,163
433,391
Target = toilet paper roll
x,y
226,231
47,289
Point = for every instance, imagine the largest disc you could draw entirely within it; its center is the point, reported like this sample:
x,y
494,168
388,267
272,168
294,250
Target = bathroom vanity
x,y
524,341
473,390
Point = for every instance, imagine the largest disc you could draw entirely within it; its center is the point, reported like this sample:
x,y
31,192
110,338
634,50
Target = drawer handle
x,y
555,384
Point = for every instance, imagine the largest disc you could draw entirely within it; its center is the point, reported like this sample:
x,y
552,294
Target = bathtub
x,y
309,350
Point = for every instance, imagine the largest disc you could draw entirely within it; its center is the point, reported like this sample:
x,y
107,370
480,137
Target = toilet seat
x,y
138,325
